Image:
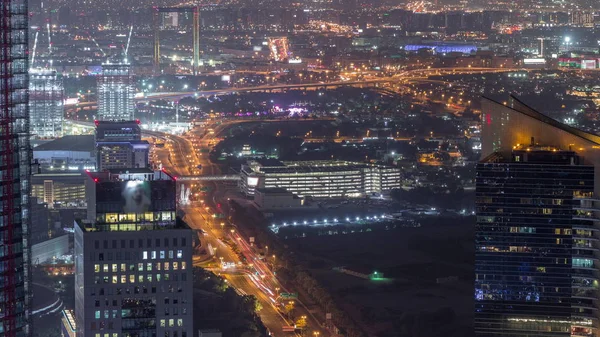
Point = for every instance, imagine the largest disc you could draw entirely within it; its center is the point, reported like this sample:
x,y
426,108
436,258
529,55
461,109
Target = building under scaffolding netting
x,y
46,97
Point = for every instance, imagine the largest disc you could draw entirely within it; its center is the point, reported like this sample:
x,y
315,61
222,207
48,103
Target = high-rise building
x,y
116,89
119,145
15,164
46,110
536,262
133,258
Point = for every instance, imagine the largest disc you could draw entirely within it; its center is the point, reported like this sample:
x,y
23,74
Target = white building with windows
x,y
319,179
116,89
46,109
133,259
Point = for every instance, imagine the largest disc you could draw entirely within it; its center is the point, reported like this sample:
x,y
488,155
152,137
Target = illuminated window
x,y
148,216
183,265
166,265
123,267
112,217
141,279
179,254
158,265
162,323
97,314
132,267
149,277
115,279
148,266
557,231
171,322
170,254
546,211
166,277
140,267
162,254
153,255
158,277
131,278
96,268
145,255
123,278
179,322
175,266
115,267
105,268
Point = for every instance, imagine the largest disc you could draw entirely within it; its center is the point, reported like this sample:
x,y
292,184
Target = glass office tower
x,y
536,267
14,170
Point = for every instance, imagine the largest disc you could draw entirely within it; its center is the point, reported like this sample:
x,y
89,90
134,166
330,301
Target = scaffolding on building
x,y
46,103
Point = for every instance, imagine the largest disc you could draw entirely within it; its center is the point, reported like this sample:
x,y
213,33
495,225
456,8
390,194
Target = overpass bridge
x,y
264,88
229,177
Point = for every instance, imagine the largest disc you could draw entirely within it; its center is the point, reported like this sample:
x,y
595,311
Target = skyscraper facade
x,y
133,258
536,269
46,110
116,89
15,162
119,145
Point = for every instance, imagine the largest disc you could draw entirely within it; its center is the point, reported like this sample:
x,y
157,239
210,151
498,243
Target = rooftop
x,y
87,226
116,123
83,143
129,174
268,162
316,166
518,106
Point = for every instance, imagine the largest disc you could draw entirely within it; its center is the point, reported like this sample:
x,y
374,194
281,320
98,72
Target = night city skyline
x,y
324,168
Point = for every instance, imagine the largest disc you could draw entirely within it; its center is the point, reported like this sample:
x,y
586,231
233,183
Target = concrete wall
x,y
44,251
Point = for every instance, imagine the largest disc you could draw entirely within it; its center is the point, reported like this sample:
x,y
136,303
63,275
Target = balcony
x,y
587,293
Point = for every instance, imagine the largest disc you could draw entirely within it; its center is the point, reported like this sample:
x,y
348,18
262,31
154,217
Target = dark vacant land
x,y
412,303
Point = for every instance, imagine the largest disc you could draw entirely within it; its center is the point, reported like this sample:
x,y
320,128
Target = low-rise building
x,y
276,199
319,179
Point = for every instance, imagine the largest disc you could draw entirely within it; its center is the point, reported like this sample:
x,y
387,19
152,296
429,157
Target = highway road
x,y
180,156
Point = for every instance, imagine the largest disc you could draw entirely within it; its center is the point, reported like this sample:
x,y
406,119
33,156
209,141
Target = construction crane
x,y
34,48
49,43
97,45
128,41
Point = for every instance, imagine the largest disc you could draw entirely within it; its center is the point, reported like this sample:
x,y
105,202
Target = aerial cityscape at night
x,y
323,168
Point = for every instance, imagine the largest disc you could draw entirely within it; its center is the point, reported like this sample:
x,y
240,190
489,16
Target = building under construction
x,y
116,89
46,109
15,170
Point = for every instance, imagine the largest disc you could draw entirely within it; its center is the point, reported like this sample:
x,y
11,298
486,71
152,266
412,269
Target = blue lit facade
x,y
538,225
15,171
442,48
535,266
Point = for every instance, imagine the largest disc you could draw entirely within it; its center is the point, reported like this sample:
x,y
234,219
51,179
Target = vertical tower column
x,y
196,42
155,24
